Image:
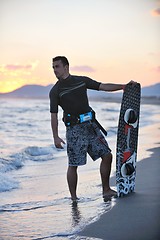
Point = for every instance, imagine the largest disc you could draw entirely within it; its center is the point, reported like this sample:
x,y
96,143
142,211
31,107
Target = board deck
x,y
127,139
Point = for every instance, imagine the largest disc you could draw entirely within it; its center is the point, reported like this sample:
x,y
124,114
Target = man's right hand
x,y
58,142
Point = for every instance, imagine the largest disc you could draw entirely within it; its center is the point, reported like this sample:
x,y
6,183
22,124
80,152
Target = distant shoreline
x,y
144,100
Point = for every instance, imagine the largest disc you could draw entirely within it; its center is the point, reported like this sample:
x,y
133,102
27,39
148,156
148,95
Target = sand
x,y
137,216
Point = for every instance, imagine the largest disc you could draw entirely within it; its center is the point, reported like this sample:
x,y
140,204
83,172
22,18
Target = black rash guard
x,y
71,94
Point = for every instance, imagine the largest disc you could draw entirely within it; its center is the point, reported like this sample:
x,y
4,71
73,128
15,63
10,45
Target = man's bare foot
x,y
109,193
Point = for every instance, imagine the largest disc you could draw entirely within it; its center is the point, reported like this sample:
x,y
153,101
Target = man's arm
x,y
111,87
54,124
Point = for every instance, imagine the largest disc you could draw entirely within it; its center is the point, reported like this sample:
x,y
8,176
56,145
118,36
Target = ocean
x,y
34,197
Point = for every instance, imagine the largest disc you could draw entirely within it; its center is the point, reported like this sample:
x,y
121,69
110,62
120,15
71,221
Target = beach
x,y
137,215
34,197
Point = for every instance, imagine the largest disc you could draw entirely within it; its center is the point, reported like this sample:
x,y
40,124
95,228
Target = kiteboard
x,y
127,139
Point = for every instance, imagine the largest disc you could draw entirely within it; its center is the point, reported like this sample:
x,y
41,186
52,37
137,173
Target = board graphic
x,y
127,139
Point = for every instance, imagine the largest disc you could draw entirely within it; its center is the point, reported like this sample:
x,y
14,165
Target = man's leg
x,y
105,170
72,178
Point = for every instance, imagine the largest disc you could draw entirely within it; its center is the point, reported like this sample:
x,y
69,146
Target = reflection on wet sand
x,y
76,214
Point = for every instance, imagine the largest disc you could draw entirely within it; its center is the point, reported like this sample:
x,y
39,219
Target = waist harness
x,y
71,120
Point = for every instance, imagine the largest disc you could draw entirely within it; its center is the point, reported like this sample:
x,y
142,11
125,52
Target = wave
x,y
17,161
110,109
33,205
10,164
35,151
27,206
7,183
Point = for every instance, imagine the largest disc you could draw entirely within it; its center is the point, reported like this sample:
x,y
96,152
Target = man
x,y
82,132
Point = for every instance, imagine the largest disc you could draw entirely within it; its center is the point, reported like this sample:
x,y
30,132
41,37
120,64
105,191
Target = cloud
x,y
156,12
15,67
18,69
154,54
158,69
83,68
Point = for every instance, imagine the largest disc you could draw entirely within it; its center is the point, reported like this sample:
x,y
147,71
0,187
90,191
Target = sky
x,y
111,41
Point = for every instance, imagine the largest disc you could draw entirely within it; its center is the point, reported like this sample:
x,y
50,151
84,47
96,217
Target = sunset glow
x,y
109,41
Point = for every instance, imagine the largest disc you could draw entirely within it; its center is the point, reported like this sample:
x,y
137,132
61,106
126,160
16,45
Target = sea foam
x,y
7,183
18,160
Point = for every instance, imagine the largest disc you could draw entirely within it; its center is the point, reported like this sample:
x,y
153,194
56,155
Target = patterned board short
x,y
82,139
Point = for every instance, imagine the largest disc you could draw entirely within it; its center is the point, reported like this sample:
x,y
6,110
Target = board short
x,y
82,139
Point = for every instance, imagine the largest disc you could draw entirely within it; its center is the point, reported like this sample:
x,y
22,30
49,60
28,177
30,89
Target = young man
x,y
82,133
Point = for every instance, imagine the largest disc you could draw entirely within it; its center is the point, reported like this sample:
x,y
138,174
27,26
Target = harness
x,y
71,120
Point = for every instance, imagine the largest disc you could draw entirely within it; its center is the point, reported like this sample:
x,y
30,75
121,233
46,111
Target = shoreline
x,y
136,215
144,100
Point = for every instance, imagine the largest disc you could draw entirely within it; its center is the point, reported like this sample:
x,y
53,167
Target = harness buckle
x,y
85,117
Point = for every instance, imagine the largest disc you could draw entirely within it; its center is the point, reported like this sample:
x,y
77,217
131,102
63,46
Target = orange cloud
x,y
156,12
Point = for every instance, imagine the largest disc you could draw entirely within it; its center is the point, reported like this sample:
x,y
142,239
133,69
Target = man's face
x,y
59,69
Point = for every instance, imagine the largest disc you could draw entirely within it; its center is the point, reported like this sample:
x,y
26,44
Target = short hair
x,y
63,59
